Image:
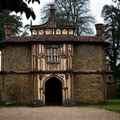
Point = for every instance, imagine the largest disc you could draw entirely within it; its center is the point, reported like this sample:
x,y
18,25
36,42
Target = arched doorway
x,y
53,91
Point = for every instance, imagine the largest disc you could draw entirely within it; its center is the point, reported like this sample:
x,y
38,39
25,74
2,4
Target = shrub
x,y
118,95
36,103
70,103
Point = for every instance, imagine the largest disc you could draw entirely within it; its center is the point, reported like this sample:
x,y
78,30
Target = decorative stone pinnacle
x,y
52,9
52,5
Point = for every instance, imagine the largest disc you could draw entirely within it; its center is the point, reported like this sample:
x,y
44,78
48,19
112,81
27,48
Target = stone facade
x,y
16,57
89,88
111,88
89,62
88,57
17,88
53,53
85,83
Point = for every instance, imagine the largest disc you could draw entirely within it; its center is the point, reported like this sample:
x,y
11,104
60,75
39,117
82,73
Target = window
x,y
52,55
109,78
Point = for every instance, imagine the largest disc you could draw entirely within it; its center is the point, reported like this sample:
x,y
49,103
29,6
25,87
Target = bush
x,y
36,103
118,95
70,103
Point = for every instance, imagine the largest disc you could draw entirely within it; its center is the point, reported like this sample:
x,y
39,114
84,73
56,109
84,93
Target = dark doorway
x,y
53,91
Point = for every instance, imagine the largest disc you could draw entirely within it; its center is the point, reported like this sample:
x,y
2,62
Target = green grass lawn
x,y
113,105
11,106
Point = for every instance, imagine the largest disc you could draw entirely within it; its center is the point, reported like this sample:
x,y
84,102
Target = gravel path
x,y
57,113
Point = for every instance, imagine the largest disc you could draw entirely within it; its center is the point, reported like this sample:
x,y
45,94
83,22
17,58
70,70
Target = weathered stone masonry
x,y
16,59
53,52
89,62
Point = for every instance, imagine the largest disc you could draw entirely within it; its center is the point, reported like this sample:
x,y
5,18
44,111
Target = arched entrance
x,y
53,91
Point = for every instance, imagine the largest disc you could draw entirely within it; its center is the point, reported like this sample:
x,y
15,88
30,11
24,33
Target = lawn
x,y
113,105
11,106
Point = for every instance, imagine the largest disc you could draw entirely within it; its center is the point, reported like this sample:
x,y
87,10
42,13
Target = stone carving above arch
x,y
48,76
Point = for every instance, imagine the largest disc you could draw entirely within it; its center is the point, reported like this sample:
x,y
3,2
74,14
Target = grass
x,y
113,105
11,106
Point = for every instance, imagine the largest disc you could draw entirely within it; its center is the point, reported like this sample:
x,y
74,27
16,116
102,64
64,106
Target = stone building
x,y
111,86
53,64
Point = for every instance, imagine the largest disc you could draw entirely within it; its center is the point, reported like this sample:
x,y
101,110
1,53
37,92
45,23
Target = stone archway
x,y
53,91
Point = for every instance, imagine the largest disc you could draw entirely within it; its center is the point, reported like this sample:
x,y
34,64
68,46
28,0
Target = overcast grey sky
x,y
95,5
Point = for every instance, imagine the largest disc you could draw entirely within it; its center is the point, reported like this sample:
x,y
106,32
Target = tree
x,y
116,1
18,6
66,9
7,17
25,31
111,33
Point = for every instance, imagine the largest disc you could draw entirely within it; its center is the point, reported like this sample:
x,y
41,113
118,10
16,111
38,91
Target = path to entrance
x,y
57,113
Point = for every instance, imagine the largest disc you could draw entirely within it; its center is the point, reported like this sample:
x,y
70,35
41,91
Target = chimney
x,y
7,27
99,30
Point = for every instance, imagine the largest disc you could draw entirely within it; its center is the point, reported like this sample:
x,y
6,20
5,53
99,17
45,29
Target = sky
x,y
95,6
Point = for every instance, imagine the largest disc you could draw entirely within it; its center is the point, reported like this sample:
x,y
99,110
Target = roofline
x,y
56,42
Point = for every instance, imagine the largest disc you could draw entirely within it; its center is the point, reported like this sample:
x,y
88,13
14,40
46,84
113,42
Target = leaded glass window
x,y
52,55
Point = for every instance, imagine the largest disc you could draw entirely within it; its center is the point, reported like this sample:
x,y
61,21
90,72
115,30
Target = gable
x,y
52,27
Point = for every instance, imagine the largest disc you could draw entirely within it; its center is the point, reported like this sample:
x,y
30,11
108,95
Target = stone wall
x,y
16,58
89,88
0,86
111,88
88,57
17,88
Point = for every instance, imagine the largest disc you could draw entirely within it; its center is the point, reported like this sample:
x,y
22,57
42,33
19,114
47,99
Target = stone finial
x,y
8,28
52,5
99,29
31,23
52,9
73,17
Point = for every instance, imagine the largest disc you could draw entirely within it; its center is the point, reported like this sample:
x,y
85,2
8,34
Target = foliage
x,y
113,105
116,1
111,32
18,6
25,31
67,9
116,69
36,103
70,103
118,95
7,17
